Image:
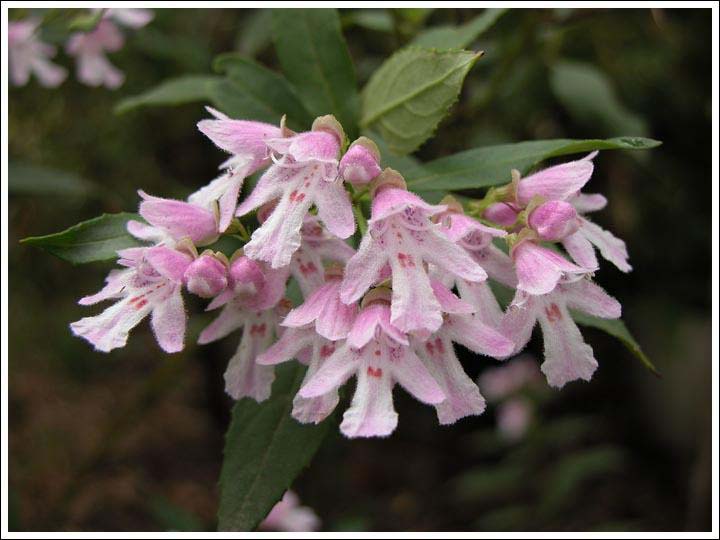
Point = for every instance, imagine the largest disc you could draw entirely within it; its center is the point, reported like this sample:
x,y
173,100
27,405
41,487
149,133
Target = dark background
x,y
133,439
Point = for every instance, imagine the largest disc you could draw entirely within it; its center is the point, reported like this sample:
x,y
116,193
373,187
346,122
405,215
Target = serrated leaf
x,y
178,91
265,450
491,165
254,92
617,329
458,37
315,59
408,96
588,94
96,239
26,179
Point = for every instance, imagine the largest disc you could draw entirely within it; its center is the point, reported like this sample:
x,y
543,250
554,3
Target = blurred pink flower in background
x,y
289,516
30,56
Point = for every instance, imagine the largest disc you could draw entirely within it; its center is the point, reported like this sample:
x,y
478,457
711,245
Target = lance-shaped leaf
x,y
265,450
315,59
27,179
491,165
254,92
408,96
458,37
178,91
616,328
96,239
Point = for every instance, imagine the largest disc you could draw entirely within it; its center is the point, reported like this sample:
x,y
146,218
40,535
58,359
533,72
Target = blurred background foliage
x,y
132,440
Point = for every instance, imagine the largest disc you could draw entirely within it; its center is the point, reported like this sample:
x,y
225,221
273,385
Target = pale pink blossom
x,y
581,244
401,235
30,56
557,183
554,220
177,219
288,516
539,269
514,417
309,348
252,301
567,356
331,317
245,140
304,174
502,382
89,49
151,284
379,355
130,17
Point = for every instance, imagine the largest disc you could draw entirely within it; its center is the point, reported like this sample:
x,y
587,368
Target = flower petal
x,y
590,298
409,371
168,322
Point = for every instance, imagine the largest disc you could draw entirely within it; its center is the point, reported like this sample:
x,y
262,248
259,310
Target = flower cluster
x,y
29,55
387,313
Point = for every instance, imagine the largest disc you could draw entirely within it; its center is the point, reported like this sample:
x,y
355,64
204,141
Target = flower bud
x,y
206,276
554,220
360,164
503,214
246,275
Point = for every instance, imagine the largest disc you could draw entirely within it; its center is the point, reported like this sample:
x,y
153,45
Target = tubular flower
x,y
245,140
30,56
379,355
93,67
306,173
567,356
401,235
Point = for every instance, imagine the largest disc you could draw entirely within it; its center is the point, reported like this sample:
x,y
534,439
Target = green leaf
x,y
86,22
617,329
588,94
255,35
458,37
315,59
406,98
26,179
178,91
491,165
379,20
265,450
96,239
254,92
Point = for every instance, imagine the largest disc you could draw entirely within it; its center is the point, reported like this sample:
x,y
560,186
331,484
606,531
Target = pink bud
x,y
554,220
206,276
360,164
503,214
247,275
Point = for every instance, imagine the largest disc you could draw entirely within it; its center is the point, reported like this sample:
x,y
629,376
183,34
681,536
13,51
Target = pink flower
x,y
252,302
401,235
306,265
557,183
151,284
503,213
514,417
28,55
305,174
331,317
177,219
93,67
510,378
379,355
539,269
311,349
289,516
580,244
567,356
245,140
361,163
